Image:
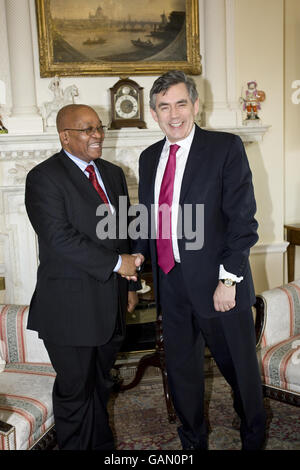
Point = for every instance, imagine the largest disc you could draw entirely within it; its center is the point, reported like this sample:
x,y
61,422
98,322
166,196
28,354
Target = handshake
x,y
130,266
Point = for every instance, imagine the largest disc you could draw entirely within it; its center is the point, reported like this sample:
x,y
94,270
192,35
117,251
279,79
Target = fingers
x,y
130,278
129,265
133,300
139,259
142,257
224,298
223,307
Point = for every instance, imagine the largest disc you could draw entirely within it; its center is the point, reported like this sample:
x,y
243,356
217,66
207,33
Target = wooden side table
x,y
293,237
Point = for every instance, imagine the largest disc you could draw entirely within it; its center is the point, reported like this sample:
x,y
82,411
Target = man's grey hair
x,y
168,79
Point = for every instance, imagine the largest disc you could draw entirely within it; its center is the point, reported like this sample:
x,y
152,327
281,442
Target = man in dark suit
x,y
81,295
201,273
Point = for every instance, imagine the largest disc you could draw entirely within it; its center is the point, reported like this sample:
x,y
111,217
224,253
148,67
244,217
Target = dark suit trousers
x,y
80,394
231,341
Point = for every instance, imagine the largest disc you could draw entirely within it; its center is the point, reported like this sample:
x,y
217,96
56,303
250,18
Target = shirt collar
x,y
79,162
184,143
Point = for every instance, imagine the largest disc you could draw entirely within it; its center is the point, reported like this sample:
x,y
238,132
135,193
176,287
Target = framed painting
x,y
124,37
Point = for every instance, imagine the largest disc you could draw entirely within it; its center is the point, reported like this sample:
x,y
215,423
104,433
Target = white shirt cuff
x,y
118,265
223,274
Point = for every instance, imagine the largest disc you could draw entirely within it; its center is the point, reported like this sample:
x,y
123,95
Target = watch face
x,y
126,103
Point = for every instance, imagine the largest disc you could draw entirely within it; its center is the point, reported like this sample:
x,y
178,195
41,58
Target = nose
x,y
173,112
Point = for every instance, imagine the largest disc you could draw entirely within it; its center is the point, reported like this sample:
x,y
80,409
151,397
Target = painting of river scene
x,y
105,34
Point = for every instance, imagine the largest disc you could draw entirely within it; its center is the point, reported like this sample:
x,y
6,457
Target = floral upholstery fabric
x,y
25,384
279,354
26,401
17,344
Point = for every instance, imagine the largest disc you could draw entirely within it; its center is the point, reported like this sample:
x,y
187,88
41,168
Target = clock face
x,y
126,103
126,107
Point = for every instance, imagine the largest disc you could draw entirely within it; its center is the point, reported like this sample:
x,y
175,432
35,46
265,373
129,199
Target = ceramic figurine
x,y
251,101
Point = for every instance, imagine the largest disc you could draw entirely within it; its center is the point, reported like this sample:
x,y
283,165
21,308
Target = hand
x,y
133,300
129,266
140,256
224,297
138,262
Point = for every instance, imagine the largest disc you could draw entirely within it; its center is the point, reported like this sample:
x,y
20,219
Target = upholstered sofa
x,y
26,382
278,328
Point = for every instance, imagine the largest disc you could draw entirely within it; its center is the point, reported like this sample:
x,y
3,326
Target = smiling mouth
x,y
96,145
177,124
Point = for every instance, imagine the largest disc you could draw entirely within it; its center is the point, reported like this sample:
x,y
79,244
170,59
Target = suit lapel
x,y
79,178
108,181
197,155
83,183
155,162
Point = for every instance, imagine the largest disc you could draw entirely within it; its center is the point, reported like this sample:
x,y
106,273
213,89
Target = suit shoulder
x,y
46,165
220,136
153,148
111,166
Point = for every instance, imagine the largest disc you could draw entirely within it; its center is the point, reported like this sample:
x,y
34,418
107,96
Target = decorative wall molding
x,y
18,246
43,145
266,248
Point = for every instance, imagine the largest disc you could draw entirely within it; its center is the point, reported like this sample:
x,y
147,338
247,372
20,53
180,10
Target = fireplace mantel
x,y
16,146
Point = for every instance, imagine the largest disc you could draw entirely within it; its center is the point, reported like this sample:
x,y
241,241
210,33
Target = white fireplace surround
x,y
27,145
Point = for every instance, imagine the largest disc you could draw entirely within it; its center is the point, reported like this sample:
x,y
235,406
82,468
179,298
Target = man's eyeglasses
x,y
90,130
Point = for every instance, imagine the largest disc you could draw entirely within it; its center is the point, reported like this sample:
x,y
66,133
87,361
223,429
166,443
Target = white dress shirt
x,y
82,165
181,159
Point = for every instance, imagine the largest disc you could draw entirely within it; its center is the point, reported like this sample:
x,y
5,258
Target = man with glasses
x,y
81,295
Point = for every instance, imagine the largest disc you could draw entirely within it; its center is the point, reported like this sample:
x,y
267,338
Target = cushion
x,y
283,313
17,344
280,364
26,402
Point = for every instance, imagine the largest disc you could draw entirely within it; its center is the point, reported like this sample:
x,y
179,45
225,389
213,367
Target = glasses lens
x,y
92,130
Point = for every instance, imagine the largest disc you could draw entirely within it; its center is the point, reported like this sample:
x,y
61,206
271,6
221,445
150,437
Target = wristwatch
x,y
228,282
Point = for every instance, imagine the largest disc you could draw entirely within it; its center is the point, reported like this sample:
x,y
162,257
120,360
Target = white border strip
x,y
277,247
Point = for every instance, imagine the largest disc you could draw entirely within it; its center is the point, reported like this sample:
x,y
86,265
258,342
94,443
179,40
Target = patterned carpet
x,y
139,419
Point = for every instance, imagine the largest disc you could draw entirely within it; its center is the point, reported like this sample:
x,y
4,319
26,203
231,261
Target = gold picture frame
x,y
86,41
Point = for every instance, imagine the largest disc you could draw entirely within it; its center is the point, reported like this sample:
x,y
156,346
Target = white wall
x,y
260,56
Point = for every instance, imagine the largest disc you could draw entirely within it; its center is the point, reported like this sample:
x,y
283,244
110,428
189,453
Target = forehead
x,y
85,117
173,94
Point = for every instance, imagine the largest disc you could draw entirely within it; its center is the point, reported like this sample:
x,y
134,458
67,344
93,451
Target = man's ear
x,y
64,137
154,115
196,106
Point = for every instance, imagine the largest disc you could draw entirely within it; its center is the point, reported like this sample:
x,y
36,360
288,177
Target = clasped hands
x,y
130,266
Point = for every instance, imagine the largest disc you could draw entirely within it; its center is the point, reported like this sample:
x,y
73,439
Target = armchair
x,y
26,382
278,345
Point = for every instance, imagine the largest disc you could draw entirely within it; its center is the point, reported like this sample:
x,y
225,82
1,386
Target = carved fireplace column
x,y
4,68
24,117
221,107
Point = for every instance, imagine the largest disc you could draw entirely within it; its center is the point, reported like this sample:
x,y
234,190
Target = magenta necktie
x,y
165,257
93,179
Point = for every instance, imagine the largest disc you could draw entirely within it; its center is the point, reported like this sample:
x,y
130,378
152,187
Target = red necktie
x,y
93,179
164,247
